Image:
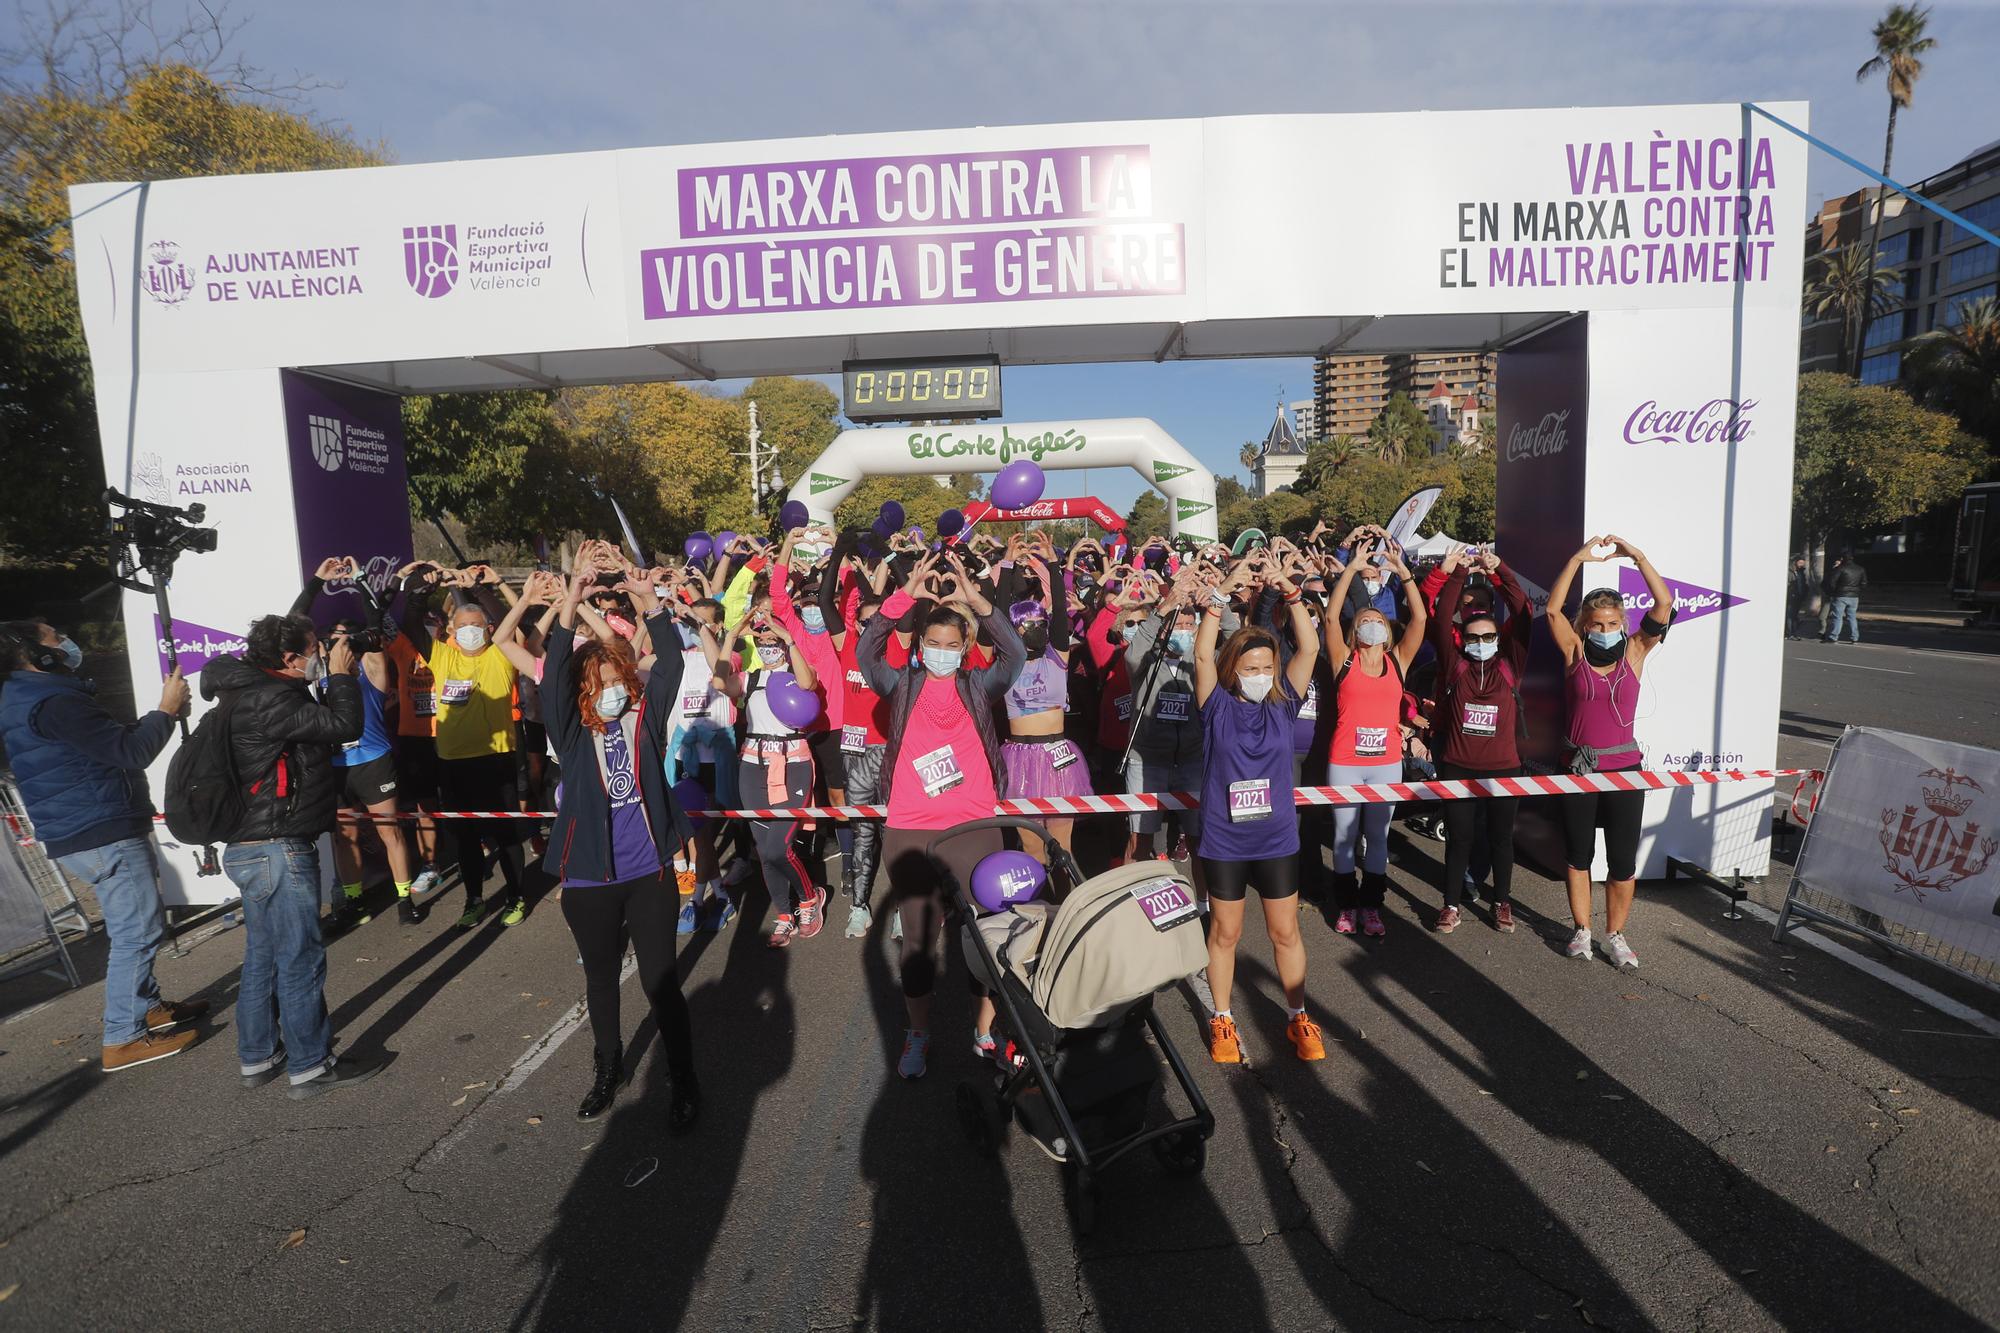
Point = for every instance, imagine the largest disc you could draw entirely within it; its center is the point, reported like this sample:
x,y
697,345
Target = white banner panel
x,y
1909,828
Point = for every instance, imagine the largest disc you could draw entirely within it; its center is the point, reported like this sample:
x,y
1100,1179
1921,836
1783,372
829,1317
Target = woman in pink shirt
x,y
941,765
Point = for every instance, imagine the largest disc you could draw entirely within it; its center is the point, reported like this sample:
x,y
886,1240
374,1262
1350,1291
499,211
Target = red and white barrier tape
x,y
1565,784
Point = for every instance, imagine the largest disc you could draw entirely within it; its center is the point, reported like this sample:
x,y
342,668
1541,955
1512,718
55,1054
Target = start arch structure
x,y
251,336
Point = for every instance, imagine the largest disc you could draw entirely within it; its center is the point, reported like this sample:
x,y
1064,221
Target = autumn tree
x,y
96,101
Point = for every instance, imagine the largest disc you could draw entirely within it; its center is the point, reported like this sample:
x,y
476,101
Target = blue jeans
x,y
1848,608
126,880
284,963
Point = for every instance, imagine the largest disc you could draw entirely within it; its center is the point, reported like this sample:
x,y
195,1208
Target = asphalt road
x,y
1736,1136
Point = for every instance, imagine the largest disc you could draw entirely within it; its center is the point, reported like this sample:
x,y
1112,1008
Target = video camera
x,y
149,537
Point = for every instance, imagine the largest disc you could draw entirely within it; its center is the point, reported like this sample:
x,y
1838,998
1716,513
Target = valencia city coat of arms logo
x,y
1931,855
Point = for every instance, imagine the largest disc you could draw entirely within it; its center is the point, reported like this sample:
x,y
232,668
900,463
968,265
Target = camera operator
x,y
367,765
83,777
282,742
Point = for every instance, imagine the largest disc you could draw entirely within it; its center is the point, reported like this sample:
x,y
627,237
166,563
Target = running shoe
x,y
411,912
1223,1045
1306,1038
684,880
896,925
350,915
1344,923
1371,923
721,911
916,1050
859,918
1447,921
425,881
689,917
1621,952
984,1046
475,910
516,913
783,932
1503,918
812,914
1579,943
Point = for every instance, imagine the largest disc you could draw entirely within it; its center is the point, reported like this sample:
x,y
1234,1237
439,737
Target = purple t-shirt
x,y
1246,791
632,850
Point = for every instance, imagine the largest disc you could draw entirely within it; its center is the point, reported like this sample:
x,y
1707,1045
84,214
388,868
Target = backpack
x,y
204,797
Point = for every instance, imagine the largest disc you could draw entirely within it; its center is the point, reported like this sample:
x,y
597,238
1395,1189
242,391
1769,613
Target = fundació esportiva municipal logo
x,y
1931,855
430,258
165,277
327,447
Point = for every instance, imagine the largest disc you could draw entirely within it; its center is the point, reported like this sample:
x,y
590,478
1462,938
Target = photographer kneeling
x,y
282,742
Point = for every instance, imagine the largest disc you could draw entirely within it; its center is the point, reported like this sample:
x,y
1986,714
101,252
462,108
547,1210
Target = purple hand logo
x,y
430,259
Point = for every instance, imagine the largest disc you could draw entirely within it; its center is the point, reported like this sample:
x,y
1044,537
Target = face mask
x,y
1606,638
1129,632
72,655
660,591
470,637
771,654
1374,633
1181,641
942,661
1035,637
1254,688
1481,652
315,668
1603,647
1371,586
814,618
611,701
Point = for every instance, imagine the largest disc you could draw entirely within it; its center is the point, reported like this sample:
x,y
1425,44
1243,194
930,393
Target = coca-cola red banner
x,y
1087,506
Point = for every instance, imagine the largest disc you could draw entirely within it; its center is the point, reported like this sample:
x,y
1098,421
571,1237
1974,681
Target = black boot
x,y
610,1077
686,1105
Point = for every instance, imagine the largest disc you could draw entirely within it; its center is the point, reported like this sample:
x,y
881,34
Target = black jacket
x,y
1847,581
976,689
283,740
580,844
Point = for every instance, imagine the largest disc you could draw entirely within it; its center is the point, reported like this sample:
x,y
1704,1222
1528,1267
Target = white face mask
x,y
771,654
1374,633
611,701
1254,688
942,661
1371,586
471,638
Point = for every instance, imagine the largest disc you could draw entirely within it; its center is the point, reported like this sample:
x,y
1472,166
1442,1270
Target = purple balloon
x,y
1018,485
883,528
691,796
698,547
793,515
950,523
1004,878
794,707
891,515
722,540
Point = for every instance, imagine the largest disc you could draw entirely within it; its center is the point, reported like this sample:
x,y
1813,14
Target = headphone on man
x,y
42,656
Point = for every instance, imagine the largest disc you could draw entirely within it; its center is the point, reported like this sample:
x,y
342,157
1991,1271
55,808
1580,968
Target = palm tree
x,y
1899,40
1249,455
1325,458
1853,289
1959,368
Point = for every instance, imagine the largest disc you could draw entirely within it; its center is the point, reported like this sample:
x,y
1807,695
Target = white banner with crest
x,y
1909,828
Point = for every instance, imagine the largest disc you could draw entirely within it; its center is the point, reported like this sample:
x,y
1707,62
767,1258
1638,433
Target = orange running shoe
x,y
684,880
1223,1047
1307,1039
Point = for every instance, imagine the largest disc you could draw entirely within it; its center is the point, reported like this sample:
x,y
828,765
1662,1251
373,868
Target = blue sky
x,y
438,80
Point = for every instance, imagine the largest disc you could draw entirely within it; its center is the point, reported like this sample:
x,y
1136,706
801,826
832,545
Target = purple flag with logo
x,y
350,493
1691,600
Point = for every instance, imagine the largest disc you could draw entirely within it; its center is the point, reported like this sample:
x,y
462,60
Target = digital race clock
x,y
921,388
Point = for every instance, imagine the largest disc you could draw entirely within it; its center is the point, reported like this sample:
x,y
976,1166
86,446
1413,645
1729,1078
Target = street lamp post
x,y
767,478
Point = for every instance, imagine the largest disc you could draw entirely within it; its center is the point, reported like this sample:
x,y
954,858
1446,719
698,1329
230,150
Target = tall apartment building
x,y
1307,415
1349,392
1941,268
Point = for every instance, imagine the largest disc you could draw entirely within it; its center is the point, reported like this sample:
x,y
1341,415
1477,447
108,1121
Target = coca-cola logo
x,y
1717,421
1039,509
1545,437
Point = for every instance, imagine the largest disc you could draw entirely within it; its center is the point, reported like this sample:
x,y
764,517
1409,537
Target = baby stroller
x,y
1075,982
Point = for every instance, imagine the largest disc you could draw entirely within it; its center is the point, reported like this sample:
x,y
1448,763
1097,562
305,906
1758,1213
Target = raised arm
x,y
1205,636
1299,670
1653,626
1557,618
1336,642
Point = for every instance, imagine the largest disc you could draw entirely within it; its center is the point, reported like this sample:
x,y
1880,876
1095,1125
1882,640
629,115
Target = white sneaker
x,y
425,881
1579,943
1621,952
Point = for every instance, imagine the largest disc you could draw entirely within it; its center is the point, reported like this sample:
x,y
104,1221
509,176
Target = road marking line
x,y
533,1058
1856,666
1888,976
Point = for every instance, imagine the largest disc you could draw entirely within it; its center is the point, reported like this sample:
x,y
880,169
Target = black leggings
x,y
917,890
602,918
1273,877
1464,820
484,782
1619,814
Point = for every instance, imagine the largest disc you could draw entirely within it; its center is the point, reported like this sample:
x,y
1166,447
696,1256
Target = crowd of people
x,y
838,667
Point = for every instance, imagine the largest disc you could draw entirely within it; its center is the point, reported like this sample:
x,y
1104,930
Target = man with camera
x,y
82,774
281,745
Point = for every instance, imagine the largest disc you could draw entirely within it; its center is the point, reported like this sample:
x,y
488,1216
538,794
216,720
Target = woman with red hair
x,y
615,832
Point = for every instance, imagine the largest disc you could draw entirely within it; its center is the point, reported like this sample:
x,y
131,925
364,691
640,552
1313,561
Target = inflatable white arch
x,y
988,446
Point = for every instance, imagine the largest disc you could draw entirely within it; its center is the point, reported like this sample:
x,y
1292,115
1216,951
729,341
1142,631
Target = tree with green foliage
x,y
1148,517
136,110
1867,456
1957,369
1848,286
1401,431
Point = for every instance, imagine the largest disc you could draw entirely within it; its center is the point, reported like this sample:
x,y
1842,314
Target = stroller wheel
x,y
976,1120
1182,1154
